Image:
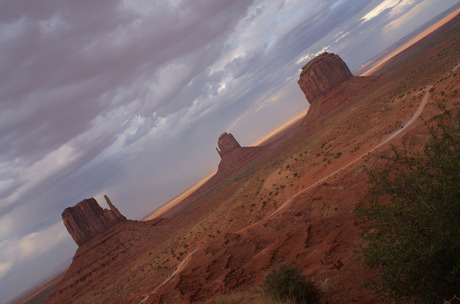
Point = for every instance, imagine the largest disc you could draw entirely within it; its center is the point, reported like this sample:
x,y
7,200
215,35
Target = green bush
x,y
288,284
414,213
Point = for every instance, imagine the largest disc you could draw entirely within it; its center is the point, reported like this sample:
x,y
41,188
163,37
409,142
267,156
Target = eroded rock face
x,y
233,156
322,74
86,219
226,143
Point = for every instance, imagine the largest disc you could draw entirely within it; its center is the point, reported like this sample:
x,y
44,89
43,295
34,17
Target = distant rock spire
x,y
226,144
114,209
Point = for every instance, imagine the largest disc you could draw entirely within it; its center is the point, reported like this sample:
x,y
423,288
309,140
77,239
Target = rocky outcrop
x,y
329,87
233,156
226,143
87,219
322,74
108,254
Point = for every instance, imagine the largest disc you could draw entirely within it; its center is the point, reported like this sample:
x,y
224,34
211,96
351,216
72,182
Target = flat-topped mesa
x,y
86,219
226,144
321,74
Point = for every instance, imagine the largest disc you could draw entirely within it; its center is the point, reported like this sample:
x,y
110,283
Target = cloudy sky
x,y
128,98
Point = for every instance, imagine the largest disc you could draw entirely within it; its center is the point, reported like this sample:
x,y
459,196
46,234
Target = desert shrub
x,y
288,284
414,213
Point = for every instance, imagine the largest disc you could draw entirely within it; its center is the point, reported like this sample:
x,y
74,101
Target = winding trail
x,y
396,133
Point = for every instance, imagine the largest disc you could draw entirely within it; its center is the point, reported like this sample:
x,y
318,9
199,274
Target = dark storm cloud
x,y
65,66
61,63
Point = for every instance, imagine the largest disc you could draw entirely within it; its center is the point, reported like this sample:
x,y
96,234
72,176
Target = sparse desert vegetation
x,y
414,216
288,284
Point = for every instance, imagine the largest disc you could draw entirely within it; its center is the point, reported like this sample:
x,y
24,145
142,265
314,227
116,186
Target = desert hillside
x,y
291,201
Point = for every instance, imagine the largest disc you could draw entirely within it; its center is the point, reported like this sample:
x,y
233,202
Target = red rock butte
x,y
329,87
322,74
87,219
226,144
233,156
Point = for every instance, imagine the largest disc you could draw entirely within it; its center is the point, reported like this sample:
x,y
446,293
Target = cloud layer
x,y
129,97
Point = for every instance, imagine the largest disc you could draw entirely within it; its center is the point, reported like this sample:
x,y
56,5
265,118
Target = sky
x,y
128,98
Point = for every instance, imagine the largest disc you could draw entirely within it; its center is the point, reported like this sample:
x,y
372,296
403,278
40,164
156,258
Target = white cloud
x,y
403,15
342,35
324,49
401,8
386,4
166,80
263,26
307,57
222,87
5,267
31,246
304,58
42,169
7,225
52,26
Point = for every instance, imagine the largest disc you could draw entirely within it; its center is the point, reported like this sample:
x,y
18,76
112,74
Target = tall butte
x,y
322,74
233,156
226,143
329,87
87,219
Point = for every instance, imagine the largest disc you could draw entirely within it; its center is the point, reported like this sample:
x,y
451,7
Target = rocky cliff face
x,y
329,87
233,155
86,219
322,74
106,255
226,144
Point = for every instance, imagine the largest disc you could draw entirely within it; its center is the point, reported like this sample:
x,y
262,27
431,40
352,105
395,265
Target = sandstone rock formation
x,y
226,144
86,219
322,74
233,156
106,255
329,87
